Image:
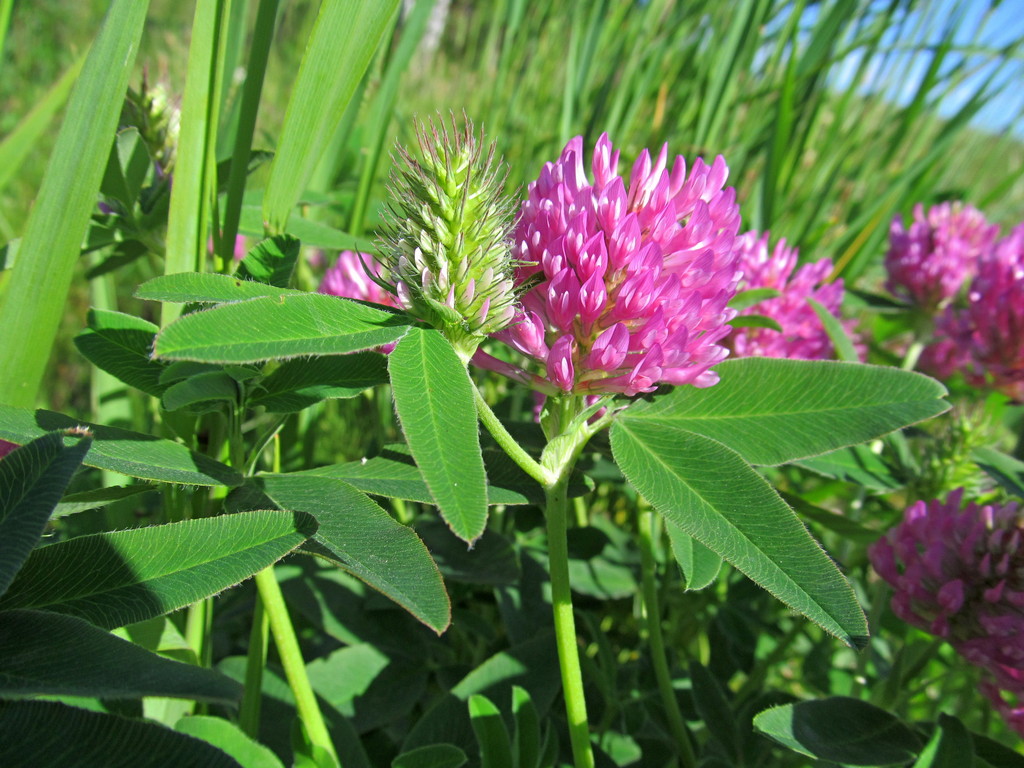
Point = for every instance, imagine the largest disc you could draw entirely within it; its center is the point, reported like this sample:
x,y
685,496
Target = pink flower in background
x,y
930,260
348,278
6,447
802,337
627,288
959,574
985,339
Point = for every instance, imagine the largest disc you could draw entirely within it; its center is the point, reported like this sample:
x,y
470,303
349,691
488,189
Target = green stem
x,y
508,443
291,659
565,625
652,618
256,660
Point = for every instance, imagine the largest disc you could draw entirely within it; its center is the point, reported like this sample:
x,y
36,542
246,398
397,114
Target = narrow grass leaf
x,y
841,730
772,411
840,339
56,734
47,653
434,399
279,327
37,289
711,493
188,287
1006,470
356,534
229,738
344,38
113,579
118,450
121,345
32,479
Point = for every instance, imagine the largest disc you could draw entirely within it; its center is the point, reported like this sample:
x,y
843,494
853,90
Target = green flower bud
x,y
446,248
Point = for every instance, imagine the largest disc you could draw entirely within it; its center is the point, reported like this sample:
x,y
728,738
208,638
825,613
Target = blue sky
x,y
977,25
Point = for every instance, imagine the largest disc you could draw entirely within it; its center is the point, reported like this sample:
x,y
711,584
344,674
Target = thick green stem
x,y
565,624
508,443
256,660
291,659
652,618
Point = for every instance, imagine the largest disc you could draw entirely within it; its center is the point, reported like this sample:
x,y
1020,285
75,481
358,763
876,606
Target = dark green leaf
x,y
272,261
32,478
121,344
279,327
855,464
949,747
526,745
495,747
713,708
711,493
362,538
755,321
837,334
118,450
833,521
491,561
843,730
126,170
113,579
432,756
298,384
101,497
773,411
434,399
58,735
47,653
202,389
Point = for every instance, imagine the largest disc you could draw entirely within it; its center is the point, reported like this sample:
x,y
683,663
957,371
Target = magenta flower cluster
x,y
930,260
348,278
959,574
624,287
803,336
984,339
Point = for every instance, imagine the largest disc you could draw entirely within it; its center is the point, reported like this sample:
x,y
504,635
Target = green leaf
x,y
366,541
949,747
113,579
526,743
855,464
491,562
434,399
833,521
840,729
37,288
312,234
755,321
1004,469
32,479
55,734
228,738
289,325
206,288
126,170
773,411
431,756
711,493
394,474
714,709
344,38
272,261
100,497
121,344
207,388
298,384
840,339
47,653
748,298
700,566
495,747
118,450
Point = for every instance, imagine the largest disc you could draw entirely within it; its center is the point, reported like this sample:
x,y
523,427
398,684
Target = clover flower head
x,y
959,574
624,287
157,117
985,339
357,276
802,337
929,261
446,246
